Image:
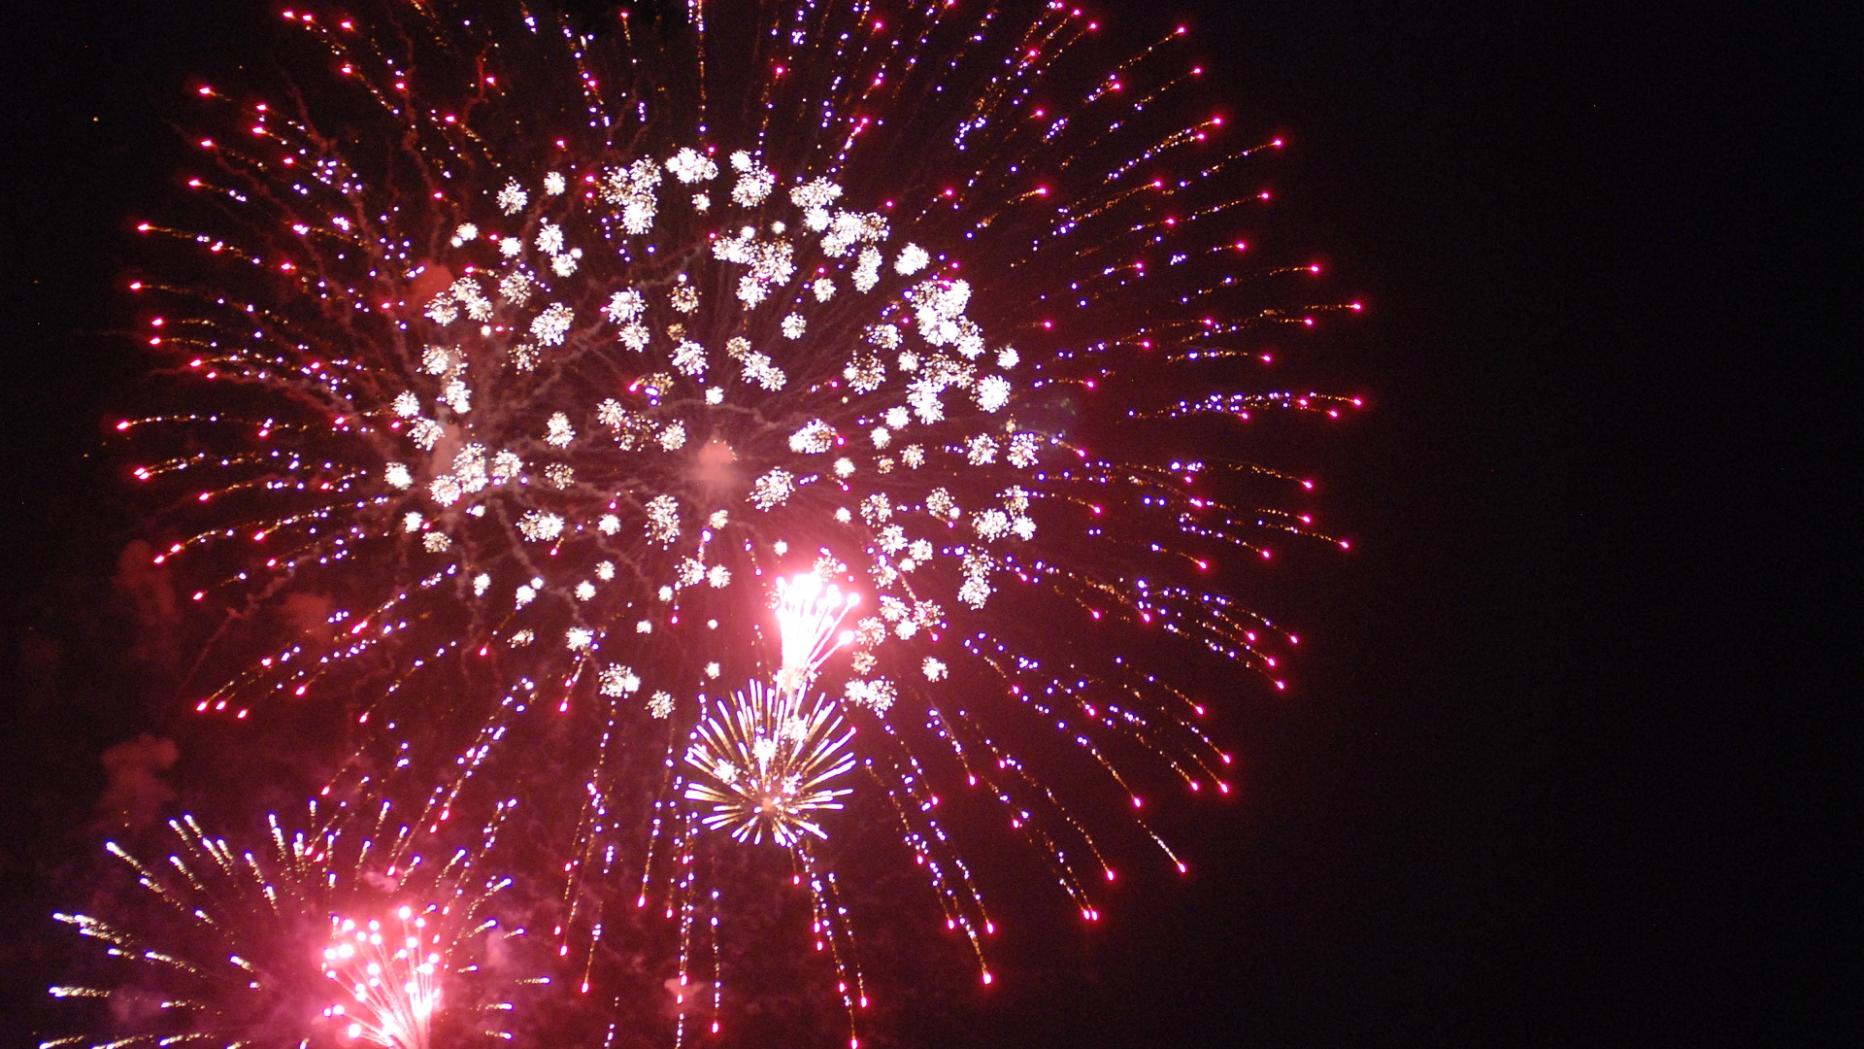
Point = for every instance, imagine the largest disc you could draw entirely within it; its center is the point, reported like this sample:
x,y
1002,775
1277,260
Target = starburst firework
x,y
604,331
766,765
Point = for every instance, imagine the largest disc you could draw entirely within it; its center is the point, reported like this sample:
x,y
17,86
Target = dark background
x,y
1527,792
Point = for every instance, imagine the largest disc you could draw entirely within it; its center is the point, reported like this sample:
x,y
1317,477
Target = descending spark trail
x,y
534,379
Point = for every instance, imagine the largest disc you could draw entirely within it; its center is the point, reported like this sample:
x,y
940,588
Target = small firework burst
x,y
768,764
242,947
539,373
388,978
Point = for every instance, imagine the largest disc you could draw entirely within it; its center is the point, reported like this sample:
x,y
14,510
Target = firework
x,y
808,612
765,762
389,982
242,947
765,759
604,331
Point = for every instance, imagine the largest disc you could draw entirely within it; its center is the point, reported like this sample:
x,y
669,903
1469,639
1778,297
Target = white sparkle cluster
x,y
911,389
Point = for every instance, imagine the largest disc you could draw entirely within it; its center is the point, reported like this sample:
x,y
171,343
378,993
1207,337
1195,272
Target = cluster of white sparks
x,y
559,416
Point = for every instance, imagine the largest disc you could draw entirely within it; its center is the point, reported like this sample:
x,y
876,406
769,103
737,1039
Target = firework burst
x,y
766,762
251,948
388,978
537,387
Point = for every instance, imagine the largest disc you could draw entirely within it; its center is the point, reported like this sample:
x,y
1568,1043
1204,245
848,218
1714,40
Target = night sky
x,y
1500,807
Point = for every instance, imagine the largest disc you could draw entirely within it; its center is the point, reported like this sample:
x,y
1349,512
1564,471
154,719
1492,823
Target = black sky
x,y
1510,802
